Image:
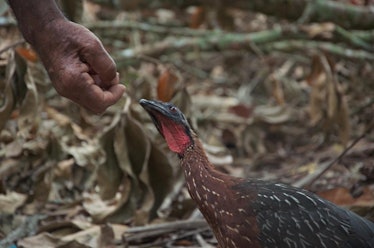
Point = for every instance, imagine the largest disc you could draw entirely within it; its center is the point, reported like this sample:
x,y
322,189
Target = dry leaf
x,y
99,209
197,16
11,201
167,85
83,239
89,237
320,29
8,99
27,53
134,167
119,230
241,110
45,240
110,170
342,197
272,114
160,177
327,103
277,92
277,78
29,119
139,149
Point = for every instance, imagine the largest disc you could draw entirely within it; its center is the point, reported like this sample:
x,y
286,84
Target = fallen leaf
x,y
167,85
99,209
27,53
11,201
241,110
88,237
324,30
272,114
327,103
342,196
8,99
197,16
47,240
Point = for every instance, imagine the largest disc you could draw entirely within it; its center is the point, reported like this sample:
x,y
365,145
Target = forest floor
x,y
297,109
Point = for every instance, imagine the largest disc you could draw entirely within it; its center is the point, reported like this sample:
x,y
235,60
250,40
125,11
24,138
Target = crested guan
x,y
248,213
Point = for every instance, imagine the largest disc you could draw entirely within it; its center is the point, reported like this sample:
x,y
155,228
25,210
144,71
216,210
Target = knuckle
x,y
111,69
93,43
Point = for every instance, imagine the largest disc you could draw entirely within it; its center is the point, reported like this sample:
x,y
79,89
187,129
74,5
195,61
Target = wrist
x,y
34,16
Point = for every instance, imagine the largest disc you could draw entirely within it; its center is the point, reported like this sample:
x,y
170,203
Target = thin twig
x,y
310,179
302,45
142,232
175,225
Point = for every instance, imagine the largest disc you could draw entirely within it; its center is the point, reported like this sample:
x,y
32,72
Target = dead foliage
x,y
269,98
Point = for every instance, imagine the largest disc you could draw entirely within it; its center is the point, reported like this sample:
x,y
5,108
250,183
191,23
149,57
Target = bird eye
x,y
172,108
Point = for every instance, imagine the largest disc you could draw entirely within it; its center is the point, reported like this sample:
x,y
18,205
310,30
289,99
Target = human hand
x,y
78,65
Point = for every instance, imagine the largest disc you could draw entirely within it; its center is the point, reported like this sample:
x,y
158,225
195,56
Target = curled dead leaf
x,y
343,197
8,99
10,201
327,103
272,114
135,171
319,29
27,53
197,16
167,85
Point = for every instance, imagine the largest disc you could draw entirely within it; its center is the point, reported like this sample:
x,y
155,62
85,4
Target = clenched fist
x,y
77,63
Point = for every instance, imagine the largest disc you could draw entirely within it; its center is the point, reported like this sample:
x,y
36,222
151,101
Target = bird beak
x,y
154,108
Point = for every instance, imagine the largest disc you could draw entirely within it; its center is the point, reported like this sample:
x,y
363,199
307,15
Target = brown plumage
x,y
253,213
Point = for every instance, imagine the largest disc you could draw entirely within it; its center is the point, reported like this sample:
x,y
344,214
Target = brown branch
x,y
141,232
277,39
345,15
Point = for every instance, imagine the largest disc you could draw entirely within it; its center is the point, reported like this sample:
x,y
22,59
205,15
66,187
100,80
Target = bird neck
x,y
204,182
213,192
201,178
195,162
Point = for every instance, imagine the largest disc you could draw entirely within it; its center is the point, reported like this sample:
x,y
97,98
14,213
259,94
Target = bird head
x,y
171,123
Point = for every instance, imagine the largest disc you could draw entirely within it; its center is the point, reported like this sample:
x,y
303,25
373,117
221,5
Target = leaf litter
x,y
71,179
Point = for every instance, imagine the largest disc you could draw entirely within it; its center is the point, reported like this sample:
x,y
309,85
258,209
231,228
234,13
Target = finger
x,y
98,100
101,63
99,82
75,83
113,94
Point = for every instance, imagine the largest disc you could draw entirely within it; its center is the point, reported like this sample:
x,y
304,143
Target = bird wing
x,y
292,217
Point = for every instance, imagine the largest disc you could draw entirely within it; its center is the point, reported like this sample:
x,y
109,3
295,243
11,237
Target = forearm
x,y
34,15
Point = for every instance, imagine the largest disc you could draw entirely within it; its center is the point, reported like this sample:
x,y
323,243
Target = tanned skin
x,y
77,63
